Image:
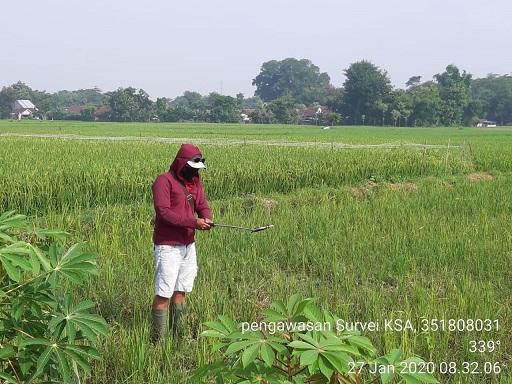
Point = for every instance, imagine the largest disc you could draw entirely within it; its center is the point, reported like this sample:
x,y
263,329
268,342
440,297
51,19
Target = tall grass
x,y
47,174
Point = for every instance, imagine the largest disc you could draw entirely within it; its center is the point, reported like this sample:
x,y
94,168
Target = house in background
x,y
313,114
23,109
74,110
102,113
482,123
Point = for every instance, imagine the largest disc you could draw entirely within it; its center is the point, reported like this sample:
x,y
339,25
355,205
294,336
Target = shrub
x,y
303,346
44,334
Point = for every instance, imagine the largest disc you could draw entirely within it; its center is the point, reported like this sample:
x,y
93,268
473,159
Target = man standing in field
x,y
178,195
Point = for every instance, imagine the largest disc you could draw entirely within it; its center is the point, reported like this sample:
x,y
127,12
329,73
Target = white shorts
x,y
175,268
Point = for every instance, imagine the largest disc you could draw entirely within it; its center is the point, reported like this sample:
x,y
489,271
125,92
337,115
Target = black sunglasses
x,y
198,160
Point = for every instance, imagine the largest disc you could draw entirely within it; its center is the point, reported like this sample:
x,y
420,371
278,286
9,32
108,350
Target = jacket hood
x,y
185,153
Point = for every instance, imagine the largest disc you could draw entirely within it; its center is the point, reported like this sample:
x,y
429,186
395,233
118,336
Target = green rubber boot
x,y
176,314
159,320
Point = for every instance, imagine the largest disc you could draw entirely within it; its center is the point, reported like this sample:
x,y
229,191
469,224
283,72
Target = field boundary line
x,y
213,141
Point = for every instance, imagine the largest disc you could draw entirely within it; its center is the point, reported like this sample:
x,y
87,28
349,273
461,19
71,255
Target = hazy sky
x,y
167,47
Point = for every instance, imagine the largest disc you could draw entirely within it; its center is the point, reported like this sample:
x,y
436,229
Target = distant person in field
x,y
181,208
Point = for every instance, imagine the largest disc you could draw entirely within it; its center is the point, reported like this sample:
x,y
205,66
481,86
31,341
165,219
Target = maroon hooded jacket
x,y
175,222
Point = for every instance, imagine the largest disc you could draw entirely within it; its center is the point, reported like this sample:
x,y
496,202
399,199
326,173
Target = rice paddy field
x,y
375,223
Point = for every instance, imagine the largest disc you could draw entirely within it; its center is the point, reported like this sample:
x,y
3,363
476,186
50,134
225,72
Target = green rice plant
x,y
35,181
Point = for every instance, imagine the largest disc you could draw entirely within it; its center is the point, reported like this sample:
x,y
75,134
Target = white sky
x,y
167,47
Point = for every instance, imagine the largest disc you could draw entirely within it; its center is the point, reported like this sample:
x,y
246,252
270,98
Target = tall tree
x,y
401,102
365,87
190,106
283,110
454,92
413,81
299,79
128,104
79,97
493,95
425,104
335,99
223,109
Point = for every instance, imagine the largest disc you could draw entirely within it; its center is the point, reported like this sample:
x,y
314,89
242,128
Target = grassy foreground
x,y
371,233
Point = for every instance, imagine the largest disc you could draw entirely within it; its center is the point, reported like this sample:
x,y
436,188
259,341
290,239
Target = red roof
x,y
311,112
74,110
102,110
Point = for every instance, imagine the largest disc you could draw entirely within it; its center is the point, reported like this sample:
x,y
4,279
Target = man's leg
x,y
167,264
177,310
159,318
184,284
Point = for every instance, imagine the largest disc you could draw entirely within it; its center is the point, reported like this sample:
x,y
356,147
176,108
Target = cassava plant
x,y
44,335
302,346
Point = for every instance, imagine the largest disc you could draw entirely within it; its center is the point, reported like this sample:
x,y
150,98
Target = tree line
x,y
285,89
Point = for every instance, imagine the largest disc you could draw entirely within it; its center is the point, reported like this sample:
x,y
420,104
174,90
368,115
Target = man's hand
x,y
203,224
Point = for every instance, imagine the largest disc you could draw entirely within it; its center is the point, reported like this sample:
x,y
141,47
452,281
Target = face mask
x,y
189,173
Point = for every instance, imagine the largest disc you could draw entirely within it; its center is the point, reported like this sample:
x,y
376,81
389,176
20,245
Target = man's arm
x,y
202,208
162,202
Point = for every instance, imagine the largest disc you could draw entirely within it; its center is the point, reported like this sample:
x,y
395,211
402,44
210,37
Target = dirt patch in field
x,y
480,176
406,187
269,204
364,189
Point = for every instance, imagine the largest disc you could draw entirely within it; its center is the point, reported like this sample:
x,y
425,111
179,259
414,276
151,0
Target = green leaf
x,y
387,376
15,260
43,260
26,363
8,379
313,313
211,333
362,342
237,346
309,339
76,319
13,272
302,305
63,364
420,377
267,354
340,361
75,354
74,264
58,236
325,367
279,306
293,301
250,355
228,323
25,342
217,346
273,315
34,264
279,348
43,359
297,344
394,356
6,238
308,357
10,220
6,352
219,327
343,349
